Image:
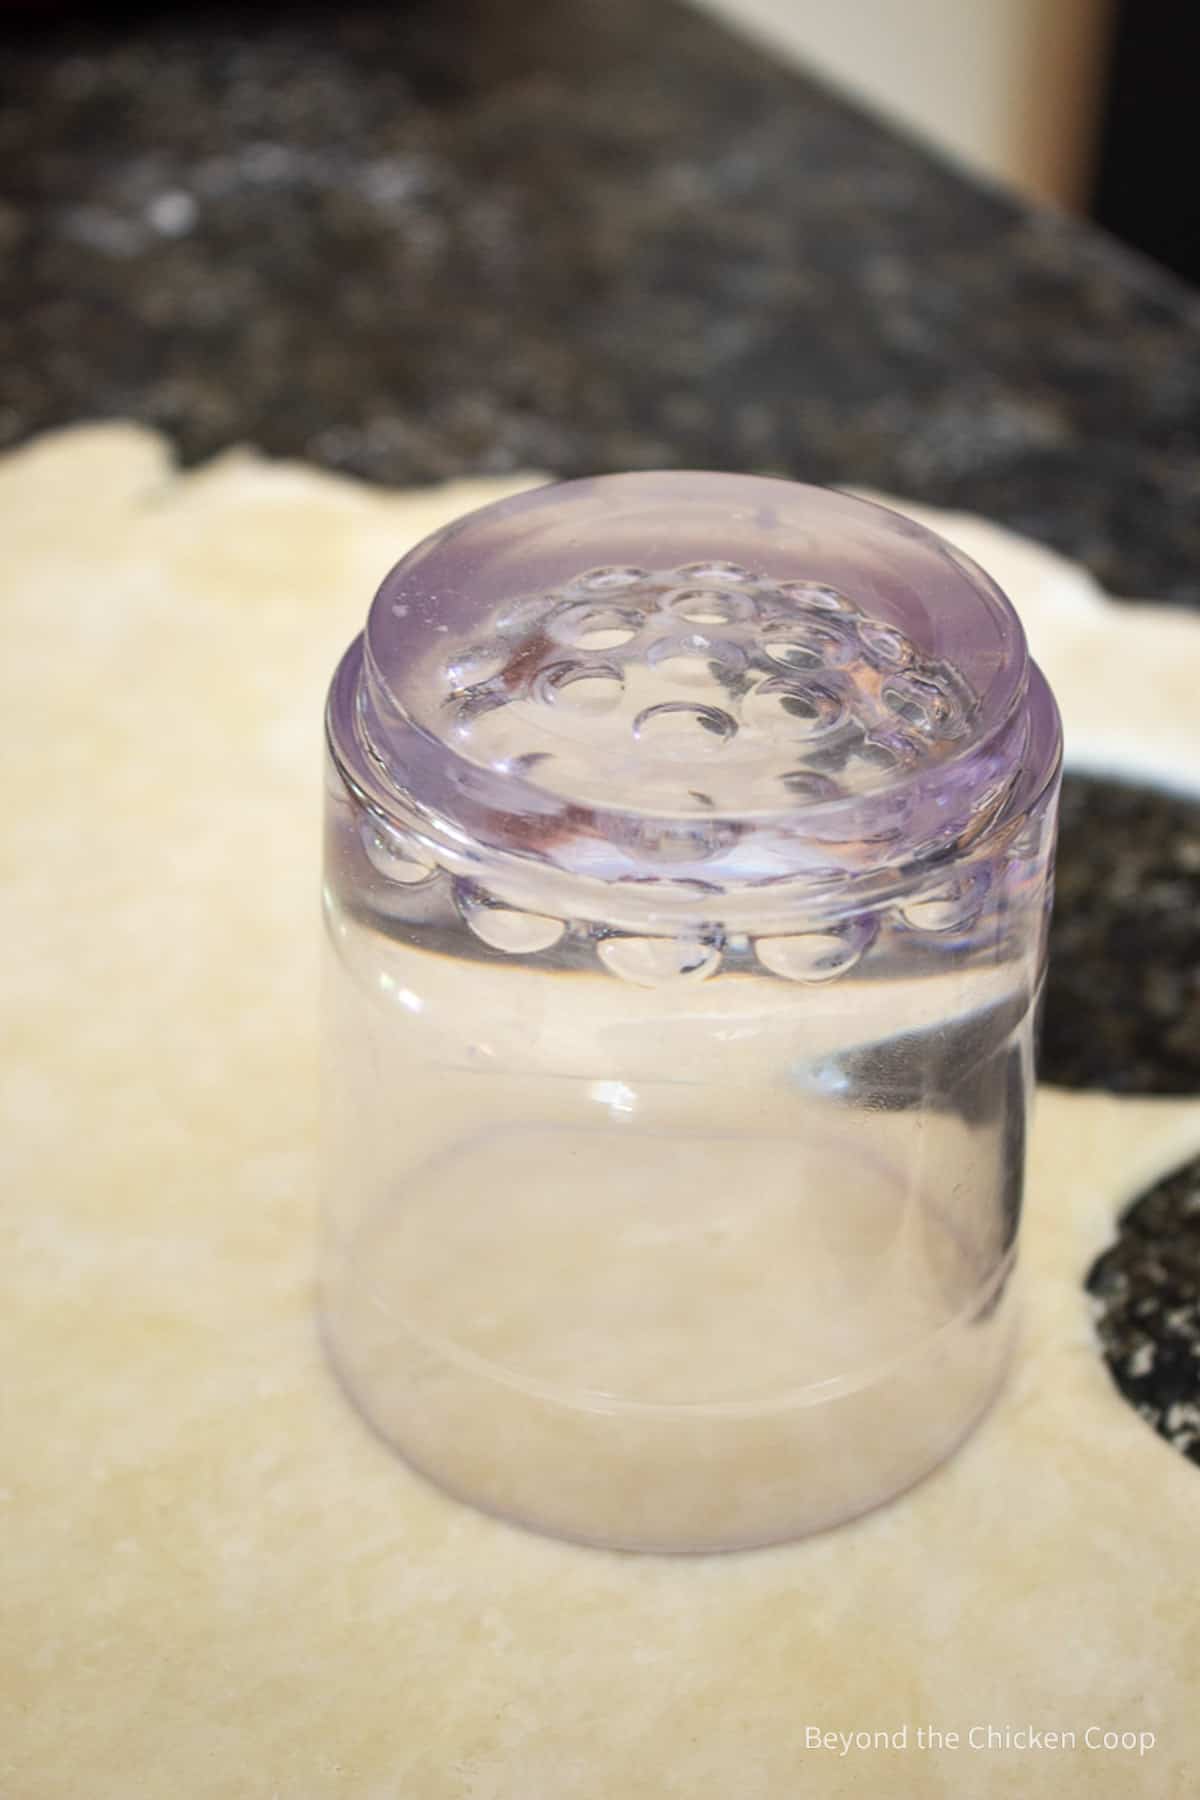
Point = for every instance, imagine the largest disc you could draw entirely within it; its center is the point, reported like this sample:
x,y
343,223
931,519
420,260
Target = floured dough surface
x,y
214,1581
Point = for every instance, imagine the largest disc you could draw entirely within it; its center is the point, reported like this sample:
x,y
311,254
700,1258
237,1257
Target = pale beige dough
x,y
214,1581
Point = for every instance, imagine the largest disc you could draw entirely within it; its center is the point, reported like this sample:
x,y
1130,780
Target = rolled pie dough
x,y
214,1580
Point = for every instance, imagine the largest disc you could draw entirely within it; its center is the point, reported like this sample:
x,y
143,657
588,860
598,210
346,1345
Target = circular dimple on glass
x,y
883,753
504,927
473,703
817,596
609,580
880,759
696,660
807,788
808,647
656,962
695,840
596,627
682,728
796,708
923,703
710,605
469,668
949,905
886,647
582,687
815,955
793,653
394,856
714,571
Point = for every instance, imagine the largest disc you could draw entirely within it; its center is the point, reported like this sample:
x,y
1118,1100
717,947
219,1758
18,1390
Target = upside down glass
x,y
688,861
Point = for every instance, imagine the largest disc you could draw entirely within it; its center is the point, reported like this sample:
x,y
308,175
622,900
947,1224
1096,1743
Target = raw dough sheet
x,y
214,1580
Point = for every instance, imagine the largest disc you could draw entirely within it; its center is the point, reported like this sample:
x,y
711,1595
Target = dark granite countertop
x,y
573,235
581,235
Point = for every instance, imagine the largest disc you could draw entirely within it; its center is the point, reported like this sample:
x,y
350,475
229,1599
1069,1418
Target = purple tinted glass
x,y
695,678
688,858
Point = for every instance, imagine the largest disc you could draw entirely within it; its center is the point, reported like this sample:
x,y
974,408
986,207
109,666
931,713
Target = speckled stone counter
x,y
575,235
594,234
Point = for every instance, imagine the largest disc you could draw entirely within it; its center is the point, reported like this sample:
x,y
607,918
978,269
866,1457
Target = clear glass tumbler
x,y
689,846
